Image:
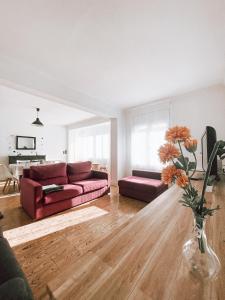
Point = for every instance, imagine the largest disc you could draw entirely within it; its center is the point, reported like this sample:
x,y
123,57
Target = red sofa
x,y
142,185
81,184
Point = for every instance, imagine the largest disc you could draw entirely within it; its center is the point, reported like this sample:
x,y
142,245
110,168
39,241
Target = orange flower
x,y
169,173
168,152
191,145
177,133
182,181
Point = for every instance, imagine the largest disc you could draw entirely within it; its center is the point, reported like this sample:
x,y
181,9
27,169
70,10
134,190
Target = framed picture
x,y
25,142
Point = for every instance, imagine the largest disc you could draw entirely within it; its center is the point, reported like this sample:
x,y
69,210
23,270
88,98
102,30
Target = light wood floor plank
x,y
144,259
43,258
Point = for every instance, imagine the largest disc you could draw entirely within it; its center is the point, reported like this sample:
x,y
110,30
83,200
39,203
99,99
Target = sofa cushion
x,y
92,184
56,180
142,184
49,174
69,191
79,171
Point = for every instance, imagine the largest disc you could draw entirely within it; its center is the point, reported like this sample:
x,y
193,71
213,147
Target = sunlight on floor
x,y
47,226
9,195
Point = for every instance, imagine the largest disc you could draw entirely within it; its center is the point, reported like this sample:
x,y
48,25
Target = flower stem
x,y
195,165
184,161
199,228
201,245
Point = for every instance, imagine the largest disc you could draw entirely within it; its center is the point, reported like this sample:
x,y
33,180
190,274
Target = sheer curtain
x,y
146,132
90,143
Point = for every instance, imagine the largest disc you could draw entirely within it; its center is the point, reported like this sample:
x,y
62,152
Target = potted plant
x,y
210,183
199,256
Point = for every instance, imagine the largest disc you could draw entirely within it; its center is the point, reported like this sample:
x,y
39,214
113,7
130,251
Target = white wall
x,y
198,109
195,110
12,123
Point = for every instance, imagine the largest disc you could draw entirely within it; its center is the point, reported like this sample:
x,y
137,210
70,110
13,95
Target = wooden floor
x,y
45,247
115,248
144,259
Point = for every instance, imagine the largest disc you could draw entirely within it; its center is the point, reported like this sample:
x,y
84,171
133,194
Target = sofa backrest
x,y
79,171
147,174
49,174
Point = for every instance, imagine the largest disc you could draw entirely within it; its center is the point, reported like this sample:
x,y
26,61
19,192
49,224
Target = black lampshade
x,y
37,122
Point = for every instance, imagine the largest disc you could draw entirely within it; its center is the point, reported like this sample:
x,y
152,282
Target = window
x,y
145,135
90,143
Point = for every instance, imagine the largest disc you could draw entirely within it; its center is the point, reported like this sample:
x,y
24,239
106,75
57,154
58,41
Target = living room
x,y
95,98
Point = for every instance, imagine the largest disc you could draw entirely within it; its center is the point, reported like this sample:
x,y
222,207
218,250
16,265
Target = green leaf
x,y
191,165
183,161
186,160
179,166
221,144
198,199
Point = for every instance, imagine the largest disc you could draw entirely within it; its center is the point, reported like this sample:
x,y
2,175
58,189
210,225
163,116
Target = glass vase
x,y
201,260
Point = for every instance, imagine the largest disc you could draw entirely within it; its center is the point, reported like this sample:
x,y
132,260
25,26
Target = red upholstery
x,y
38,205
147,174
49,174
56,180
79,171
69,191
140,183
26,173
47,210
142,188
31,194
101,175
92,184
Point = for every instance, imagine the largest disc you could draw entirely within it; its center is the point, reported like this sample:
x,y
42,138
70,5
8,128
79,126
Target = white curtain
x,y
90,143
146,131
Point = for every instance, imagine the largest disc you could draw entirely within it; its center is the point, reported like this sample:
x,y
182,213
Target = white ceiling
x,y
124,52
51,113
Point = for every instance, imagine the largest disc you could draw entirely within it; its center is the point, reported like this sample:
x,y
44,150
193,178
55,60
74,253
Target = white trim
x,y
88,122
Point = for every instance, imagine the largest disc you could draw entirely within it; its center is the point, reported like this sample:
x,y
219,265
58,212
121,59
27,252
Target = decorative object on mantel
x,y
37,122
14,158
199,256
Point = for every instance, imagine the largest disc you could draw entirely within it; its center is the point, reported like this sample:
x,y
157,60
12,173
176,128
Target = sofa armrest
x,y
31,194
101,175
147,174
15,288
32,187
11,274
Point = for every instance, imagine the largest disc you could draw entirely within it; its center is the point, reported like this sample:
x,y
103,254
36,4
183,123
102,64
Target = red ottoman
x,y
142,185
